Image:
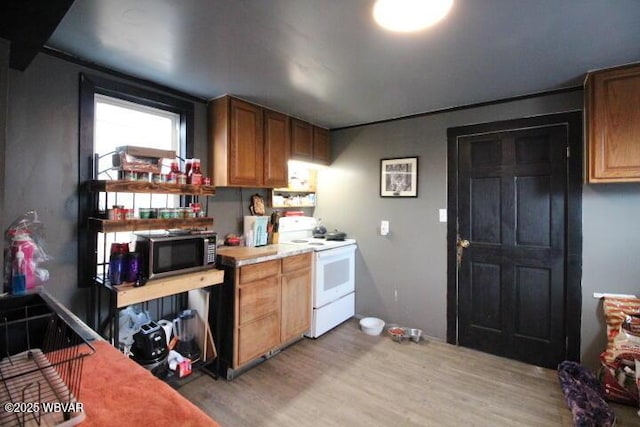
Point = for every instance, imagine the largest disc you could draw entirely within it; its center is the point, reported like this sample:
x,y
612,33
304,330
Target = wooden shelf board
x,y
112,226
293,206
150,187
291,190
127,294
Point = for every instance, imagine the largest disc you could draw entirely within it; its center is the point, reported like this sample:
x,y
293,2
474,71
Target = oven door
x,y
334,274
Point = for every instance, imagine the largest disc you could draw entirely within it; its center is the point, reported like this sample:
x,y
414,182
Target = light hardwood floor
x,y
347,378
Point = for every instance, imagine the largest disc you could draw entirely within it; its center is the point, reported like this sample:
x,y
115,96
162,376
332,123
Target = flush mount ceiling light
x,y
410,15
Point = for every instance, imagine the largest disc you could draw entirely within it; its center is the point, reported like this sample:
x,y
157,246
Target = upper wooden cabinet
x,y
321,145
248,146
612,99
276,148
310,143
301,140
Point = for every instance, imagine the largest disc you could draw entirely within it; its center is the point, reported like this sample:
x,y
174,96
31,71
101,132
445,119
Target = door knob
x,y
461,245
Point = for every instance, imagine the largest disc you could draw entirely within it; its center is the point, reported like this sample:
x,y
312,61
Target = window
x,y
119,123
114,114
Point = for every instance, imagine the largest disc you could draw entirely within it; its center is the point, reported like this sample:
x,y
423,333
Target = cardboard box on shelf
x,y
141,159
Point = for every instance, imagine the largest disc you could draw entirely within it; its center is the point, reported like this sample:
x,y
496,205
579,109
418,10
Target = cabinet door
x,y
613,125
296,303
301,140
321,145
257,338
253,272
258,298
276,149
246,154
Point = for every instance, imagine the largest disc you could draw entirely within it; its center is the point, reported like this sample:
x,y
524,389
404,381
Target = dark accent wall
x,y
4,70
402,277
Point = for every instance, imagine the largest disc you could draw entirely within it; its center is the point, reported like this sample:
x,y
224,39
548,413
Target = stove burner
x,y
299,241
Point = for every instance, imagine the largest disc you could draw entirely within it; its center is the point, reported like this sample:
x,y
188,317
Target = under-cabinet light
x,y
306,165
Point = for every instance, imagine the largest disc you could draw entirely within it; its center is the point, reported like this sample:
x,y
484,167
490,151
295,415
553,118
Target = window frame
x,y
174,118
90,85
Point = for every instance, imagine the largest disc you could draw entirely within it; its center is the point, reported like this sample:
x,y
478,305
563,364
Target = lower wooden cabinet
x,y
296,297
268,305
257,338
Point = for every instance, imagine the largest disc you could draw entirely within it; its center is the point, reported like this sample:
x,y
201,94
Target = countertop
x,y
117,391
237,256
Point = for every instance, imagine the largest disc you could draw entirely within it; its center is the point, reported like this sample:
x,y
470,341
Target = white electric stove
x,y
334,273
298,230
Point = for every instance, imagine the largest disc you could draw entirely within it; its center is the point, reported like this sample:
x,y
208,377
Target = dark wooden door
x,y
512,194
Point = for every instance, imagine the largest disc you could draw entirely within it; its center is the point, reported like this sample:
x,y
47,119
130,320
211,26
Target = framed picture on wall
x,y
399,177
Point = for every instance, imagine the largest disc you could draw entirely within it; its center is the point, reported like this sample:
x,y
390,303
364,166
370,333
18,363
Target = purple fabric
x,y
583,396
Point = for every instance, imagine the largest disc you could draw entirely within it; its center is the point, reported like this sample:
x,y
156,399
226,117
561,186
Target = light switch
x,y
443,215
384,227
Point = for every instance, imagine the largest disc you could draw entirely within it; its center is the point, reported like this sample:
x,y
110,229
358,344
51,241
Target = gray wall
x,y
4,70
411,260
610,260
42,165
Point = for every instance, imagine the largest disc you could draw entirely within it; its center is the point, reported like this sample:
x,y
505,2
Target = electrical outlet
x,y
443,215
384,227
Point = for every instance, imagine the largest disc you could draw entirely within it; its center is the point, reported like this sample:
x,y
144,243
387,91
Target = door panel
x,y
533,294
486,296
511,207
485,210
533,211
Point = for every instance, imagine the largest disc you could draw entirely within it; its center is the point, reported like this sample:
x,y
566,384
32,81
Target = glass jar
x,y
128,175
175,172
195,178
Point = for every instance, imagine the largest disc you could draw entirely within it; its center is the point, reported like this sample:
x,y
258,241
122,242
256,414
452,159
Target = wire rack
x,y
41,360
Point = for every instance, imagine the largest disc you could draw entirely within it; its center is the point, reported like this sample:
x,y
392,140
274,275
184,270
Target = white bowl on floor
x,y
371,325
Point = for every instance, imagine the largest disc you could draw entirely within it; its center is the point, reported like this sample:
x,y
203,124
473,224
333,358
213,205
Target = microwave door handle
x,y
205,251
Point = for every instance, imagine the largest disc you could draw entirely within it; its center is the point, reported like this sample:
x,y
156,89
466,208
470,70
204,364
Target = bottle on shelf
x,y
195,174
174,173
19,274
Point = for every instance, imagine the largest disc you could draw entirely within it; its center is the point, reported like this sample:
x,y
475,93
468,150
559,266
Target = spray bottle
x,y
18,274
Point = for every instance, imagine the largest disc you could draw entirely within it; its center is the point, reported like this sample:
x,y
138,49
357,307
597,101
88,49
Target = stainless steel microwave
x,y
168,254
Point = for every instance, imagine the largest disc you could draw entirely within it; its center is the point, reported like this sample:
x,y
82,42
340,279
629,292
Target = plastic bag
x,y
130,320
26,235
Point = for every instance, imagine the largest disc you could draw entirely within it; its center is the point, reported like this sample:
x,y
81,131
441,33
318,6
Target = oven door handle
x,y
336,252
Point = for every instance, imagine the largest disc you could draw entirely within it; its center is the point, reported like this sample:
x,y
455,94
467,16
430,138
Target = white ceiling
x,y
327,62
